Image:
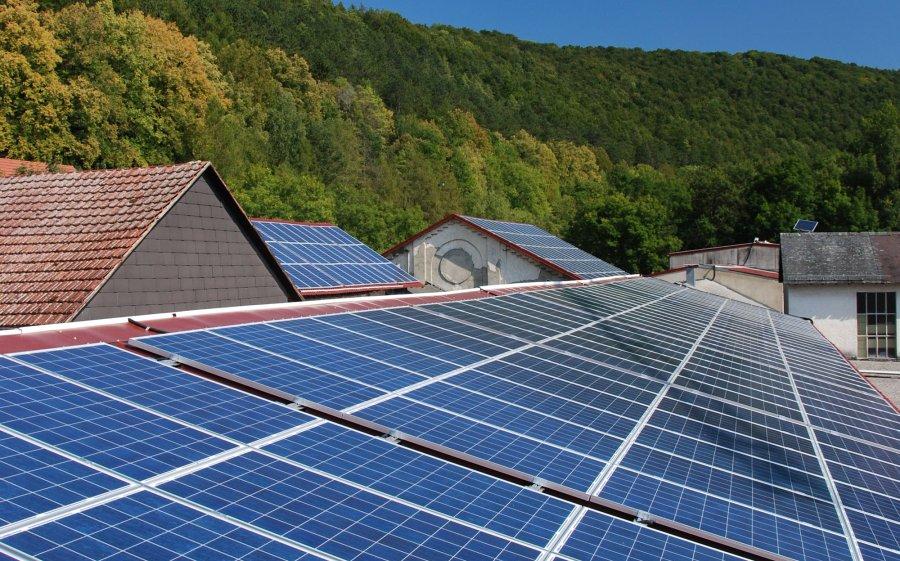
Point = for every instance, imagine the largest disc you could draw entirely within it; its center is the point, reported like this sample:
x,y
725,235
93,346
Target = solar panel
x,y
104,431
322,256
805,225
455,491
603,538
169,391
334,517
545,245
146,526
35,480
729,420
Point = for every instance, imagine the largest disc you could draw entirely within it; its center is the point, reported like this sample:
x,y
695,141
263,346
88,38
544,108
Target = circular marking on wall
x,y
456,266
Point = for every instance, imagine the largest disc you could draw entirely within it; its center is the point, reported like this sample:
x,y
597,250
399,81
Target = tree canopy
x,y
312,111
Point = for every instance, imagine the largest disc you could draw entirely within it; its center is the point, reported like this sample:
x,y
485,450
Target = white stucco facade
x,y
832,307
455,257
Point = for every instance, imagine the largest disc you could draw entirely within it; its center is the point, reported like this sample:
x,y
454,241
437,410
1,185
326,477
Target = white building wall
x,y
456,257
757,256
832,309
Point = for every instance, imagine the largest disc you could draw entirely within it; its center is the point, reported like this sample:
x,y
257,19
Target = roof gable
x,y
840,257
533,242
62,234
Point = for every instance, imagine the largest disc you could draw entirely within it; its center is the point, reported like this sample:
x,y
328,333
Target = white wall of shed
x,y
832,309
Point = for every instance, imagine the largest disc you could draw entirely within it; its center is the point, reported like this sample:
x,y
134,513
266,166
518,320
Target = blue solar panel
x,y
458,492
318,256
549,247
449,348
170,391
146,526
719,516
259,367
505,447
515,316
326,357
603,538
334,517
726,450
416,359
584,439
34,480
105,431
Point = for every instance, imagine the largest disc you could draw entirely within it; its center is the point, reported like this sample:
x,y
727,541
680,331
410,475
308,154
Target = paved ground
x,y
884,375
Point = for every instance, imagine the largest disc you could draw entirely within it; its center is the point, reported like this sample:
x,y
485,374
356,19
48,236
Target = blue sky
x,y
866,32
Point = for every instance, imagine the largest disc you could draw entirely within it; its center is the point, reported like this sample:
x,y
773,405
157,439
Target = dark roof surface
x,y
840,257
62,234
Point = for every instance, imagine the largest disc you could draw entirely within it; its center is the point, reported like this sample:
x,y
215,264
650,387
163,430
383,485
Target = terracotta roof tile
x,y
61,234
9,167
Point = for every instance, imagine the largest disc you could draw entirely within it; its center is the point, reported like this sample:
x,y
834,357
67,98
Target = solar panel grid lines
x,y
541,427
492,318
788,478
455,491
823,464
357,325
390,352
751,493
221,355
765,442
502,450
302,420
730,401
326,358
848,391
707,506
103,430
596,404
774,466
145,525
445,330
335,517
369,357
614,461
278,451
161,389
193,468
483,362
35,480
512,312
851,458
319,256
127,485
594,538
548,247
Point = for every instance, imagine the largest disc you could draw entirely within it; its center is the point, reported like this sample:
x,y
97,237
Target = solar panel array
x,y
736,422
321,256
549,247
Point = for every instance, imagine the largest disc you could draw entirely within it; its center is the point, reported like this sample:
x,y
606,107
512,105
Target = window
x,y
876,324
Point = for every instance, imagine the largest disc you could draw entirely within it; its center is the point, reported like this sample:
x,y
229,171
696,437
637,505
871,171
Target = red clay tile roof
x,y
62,234
10,167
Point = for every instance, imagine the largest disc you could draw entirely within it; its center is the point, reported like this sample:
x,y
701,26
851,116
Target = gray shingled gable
x,y
840,257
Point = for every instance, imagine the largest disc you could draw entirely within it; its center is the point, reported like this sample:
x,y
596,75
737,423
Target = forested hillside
x,y
312,111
